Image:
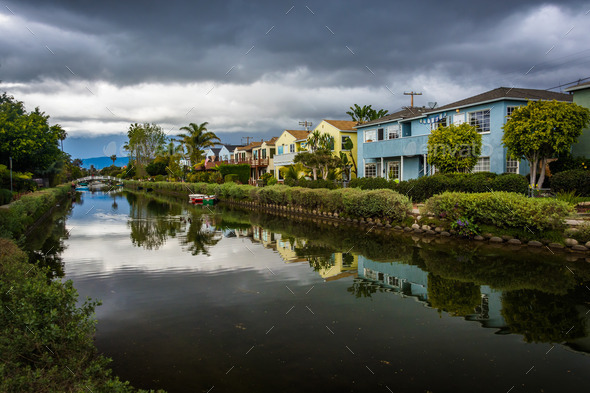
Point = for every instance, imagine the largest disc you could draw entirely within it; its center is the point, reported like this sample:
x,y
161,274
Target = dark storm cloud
x,y
157,41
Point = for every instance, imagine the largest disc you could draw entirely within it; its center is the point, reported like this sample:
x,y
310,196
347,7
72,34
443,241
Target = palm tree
x,y
113,158
293,171
365,113
196,139
313,140
61,134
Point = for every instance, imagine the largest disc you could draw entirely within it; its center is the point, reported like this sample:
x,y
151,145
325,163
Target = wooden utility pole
x,y
306,124
247,138
412,94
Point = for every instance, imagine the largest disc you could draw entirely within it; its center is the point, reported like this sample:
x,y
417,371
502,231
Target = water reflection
x,y
538,298
194,289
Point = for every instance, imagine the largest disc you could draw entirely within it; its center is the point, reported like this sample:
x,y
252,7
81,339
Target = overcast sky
x,y
255,68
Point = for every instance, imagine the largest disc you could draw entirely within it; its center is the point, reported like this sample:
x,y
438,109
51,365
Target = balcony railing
x,y
284,159
253,162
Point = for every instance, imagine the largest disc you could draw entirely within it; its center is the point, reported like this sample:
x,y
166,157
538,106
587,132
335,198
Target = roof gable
x,y
343,125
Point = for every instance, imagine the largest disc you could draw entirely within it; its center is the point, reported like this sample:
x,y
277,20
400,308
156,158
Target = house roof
x,y
492,95
216,150
249,146
343,125
231,147
298,134
405,113
579,86
272,141
508,92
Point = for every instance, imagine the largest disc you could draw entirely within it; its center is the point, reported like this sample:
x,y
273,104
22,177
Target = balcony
x,y
284,159
253,162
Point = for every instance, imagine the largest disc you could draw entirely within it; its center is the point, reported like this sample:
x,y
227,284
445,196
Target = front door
x,y
393,169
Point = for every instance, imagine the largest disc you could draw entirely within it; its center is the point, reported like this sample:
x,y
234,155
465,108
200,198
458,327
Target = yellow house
x,y
340,130
263,157
287,145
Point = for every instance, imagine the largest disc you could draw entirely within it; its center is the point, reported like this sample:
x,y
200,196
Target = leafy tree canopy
x,y
365,113
454,148
541,130
28,138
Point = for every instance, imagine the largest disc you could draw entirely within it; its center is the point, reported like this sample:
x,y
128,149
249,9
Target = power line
x,y
568,83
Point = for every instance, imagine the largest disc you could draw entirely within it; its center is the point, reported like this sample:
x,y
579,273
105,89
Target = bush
x,y
319,183
511,182
5,196
501,209
231,178
568,162
371,183
577,180
241,170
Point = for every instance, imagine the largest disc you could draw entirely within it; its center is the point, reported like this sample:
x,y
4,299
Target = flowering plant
x,y
465,227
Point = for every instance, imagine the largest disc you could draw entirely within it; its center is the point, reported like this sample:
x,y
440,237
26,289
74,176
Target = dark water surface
x,y
227,300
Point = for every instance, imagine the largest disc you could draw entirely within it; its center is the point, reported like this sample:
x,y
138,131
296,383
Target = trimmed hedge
x,y
577,180
425,187
241,170
501,209
24,212
5,196
350,202
319,183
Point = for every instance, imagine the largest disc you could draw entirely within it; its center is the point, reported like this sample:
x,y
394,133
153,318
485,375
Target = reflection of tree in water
x,y
319,256
200,235
542,317
152,222
361,288
45,243
456,297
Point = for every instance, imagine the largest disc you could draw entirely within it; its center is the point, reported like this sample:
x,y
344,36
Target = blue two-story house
x,y
396,146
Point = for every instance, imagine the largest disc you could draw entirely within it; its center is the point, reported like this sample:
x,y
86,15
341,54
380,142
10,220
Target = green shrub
x,y
370,183
5,196
241,170
511,182
319,183
46,333
568,162
501,209
384,204
577,180
231,178
272,181
160,178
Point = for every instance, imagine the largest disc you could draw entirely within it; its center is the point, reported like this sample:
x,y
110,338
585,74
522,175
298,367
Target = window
x,y
370,170
393,170
370,135
510,109
441,123
263,151
393,281
280,150
272,153
344,140
393,131
483,165
481,120
511,165
380,134
292,148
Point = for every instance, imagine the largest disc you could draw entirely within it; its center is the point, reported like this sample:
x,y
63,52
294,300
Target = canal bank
x,y
51,333
505,218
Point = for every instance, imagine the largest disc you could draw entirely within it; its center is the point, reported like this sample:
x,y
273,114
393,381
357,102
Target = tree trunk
x,y
315,173
542,176
533,164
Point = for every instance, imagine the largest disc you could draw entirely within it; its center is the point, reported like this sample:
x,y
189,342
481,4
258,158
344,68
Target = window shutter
x,y
380,134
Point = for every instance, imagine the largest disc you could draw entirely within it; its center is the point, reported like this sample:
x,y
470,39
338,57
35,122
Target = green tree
x,y
541,130
293,172
197,139
145,142
28,139
113,158
347,158
454,148
321,160
365,113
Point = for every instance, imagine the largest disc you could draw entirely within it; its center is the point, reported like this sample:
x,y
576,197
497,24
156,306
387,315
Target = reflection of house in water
x,y
343,264
286,248
409,280
264,237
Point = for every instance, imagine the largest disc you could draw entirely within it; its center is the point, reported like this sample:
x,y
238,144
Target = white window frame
x,y
342,141
482,163
441,123
510,167
510,109
394,131
390,166
472,118
371,135
371,165
292,148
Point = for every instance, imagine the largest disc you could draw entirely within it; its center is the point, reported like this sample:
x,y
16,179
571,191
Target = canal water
x,y
228,300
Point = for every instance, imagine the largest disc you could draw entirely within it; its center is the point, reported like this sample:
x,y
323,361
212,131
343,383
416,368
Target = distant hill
x,y
101,162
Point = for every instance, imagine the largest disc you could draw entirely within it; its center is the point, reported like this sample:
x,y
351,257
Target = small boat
x,y
82,188
202,199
